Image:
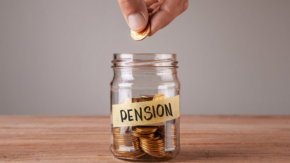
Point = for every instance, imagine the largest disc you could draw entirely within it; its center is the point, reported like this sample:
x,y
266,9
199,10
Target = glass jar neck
x,y
144,71
144,60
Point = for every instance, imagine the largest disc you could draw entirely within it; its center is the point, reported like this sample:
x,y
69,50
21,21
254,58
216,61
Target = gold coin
x,y
134,133
146,96
159,96
146,129
142,99
134,100
154,136
138,36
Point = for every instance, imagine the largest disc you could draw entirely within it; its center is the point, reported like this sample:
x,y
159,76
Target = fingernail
x,y
137,22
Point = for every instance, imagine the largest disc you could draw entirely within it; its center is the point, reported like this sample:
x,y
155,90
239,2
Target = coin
x,y
142,100
134,100
146,96
145,130
138,36
159,96
161,130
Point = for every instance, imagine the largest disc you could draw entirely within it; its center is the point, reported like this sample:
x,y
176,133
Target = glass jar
x,y
145,107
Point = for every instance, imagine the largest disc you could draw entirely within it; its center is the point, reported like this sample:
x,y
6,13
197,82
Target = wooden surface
x,y
74,139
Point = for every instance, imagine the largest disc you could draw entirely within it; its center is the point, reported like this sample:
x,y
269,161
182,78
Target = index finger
x,y
168,11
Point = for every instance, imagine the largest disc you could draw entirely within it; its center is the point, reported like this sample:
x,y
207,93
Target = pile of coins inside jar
x,y
140,141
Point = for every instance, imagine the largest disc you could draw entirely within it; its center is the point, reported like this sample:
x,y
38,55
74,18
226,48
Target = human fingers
x,y
168,11
150,2
153,9
135,13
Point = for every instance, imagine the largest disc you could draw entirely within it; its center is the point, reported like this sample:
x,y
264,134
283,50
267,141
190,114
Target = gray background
x,y
55,55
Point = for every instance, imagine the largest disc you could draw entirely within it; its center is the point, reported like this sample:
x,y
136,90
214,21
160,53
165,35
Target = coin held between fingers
x,y
138,36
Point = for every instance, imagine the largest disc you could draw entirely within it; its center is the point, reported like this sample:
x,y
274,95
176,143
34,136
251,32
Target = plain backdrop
x,y
55,55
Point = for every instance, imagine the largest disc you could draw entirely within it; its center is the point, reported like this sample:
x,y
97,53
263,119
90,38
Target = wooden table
x,y
75,139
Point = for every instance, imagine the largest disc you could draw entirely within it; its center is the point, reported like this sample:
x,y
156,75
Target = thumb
x,y
135,13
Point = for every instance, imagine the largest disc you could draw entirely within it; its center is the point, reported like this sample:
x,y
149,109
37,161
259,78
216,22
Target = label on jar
x,y
145,113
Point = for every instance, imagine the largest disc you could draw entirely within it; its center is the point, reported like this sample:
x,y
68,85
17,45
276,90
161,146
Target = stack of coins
x,y
156,141
170,136
126,145
161,130
168,132
151,141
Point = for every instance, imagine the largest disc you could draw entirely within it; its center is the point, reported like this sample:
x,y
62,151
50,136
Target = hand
x,y
159,12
